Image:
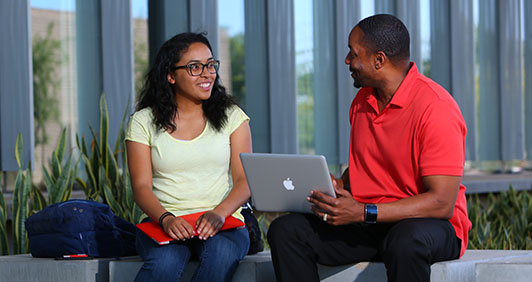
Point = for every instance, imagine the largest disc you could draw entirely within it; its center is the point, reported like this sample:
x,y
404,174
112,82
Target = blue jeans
x,y
218,256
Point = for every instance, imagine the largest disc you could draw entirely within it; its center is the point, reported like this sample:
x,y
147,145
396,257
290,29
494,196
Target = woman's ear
x,y
170,77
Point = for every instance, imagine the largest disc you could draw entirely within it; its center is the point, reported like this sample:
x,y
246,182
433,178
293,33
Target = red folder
x,y
153,230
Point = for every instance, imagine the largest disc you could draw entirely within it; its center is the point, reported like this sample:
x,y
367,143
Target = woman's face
x,y
194,88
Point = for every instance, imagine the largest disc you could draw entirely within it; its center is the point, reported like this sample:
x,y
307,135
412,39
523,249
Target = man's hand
x,y
340,210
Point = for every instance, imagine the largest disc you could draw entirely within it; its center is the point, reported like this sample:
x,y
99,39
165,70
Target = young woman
x,y
182,144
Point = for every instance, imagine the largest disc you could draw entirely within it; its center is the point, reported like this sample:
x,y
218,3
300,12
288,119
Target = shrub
x,y
503,221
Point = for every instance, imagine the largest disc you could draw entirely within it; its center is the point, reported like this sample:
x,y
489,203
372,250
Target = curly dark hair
x,y
388,34
157,92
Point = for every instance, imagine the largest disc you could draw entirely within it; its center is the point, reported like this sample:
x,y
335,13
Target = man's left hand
x,y
336,211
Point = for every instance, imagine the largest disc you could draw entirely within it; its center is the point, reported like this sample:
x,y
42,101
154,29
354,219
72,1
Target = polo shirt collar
x,y
401,98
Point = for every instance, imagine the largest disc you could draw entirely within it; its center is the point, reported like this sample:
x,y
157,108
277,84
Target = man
x,y
400,201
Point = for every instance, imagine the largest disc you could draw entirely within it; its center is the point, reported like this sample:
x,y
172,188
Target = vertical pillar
x,y
528,77
408,12
89,64
203,16
166,18
440,43
347,15
257,74
282,80
117,62
463,68
325,86
16,83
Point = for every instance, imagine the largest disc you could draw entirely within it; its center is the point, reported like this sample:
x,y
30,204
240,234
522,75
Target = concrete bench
x,y
259,268
475,265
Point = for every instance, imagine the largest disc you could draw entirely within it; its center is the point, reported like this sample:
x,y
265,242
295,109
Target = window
x,y
53,32
231,48
425,36
499,80
140,42
304,49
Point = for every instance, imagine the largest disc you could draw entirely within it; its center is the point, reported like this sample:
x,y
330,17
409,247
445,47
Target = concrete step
x,y
259,268
25,268
475,265
506,269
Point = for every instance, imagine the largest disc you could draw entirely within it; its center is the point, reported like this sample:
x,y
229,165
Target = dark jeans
x,y
407,248
218,256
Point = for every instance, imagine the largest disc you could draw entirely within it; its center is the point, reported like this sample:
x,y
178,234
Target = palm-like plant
x,y
106,180
21,193
4,248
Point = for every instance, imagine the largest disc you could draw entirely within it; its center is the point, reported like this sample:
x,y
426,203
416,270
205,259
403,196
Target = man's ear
x,y
380,60
170,77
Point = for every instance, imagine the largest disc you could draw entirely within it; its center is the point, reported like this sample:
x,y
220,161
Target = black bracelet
x,y
370,213
163,216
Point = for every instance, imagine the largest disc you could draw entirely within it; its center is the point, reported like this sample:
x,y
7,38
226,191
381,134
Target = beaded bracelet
x,y
163,216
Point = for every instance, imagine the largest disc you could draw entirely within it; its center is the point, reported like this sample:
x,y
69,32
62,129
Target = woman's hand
x,y
208,224
177,228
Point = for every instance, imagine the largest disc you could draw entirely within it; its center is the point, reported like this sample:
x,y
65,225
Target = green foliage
x,y
503,222
305,112
237,53
106,181
265,219
45,84
140,53
21,193
4,248
60,180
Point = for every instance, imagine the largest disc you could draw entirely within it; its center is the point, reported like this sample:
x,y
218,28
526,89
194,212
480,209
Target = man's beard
x,y
356,81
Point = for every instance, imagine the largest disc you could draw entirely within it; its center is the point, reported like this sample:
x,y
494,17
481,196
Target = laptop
x,y
282,182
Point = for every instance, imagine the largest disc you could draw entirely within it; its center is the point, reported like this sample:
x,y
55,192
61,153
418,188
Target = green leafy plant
x,y
21,193
45,84
60,180
106,181
4,247
503,221
265,219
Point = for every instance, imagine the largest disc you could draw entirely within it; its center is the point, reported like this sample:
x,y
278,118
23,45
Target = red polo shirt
x,y
420,132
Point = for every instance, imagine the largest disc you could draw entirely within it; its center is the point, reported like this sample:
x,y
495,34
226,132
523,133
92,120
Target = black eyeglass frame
x,y
203,66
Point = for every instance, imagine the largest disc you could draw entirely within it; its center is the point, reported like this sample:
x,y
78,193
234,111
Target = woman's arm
x,y
140,170
211,222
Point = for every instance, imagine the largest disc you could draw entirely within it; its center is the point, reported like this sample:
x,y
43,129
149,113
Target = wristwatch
x,y
370,213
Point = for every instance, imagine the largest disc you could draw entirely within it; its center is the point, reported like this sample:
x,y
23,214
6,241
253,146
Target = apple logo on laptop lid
x,y
288,185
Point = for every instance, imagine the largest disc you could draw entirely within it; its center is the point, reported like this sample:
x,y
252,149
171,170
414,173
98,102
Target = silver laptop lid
x,y
282,182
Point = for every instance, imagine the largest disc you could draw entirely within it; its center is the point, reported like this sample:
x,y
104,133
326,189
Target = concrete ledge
x,y
507,269
253,268
25,268
463,269
493,183
259,268
475,265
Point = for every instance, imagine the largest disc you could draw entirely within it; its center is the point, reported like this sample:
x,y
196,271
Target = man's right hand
x,y
343,209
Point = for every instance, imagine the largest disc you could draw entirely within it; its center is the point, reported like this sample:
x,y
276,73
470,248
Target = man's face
x,y
359,59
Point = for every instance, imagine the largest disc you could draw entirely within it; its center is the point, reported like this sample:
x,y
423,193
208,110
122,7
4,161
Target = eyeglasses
x,y
196,69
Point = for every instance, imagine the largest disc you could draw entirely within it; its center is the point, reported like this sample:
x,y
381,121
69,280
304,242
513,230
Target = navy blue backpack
x,y
80,227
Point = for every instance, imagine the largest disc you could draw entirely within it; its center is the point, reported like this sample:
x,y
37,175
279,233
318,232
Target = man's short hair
x,y
386,33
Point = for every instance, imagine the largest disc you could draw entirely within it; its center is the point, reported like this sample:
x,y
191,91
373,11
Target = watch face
x,y
370,213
